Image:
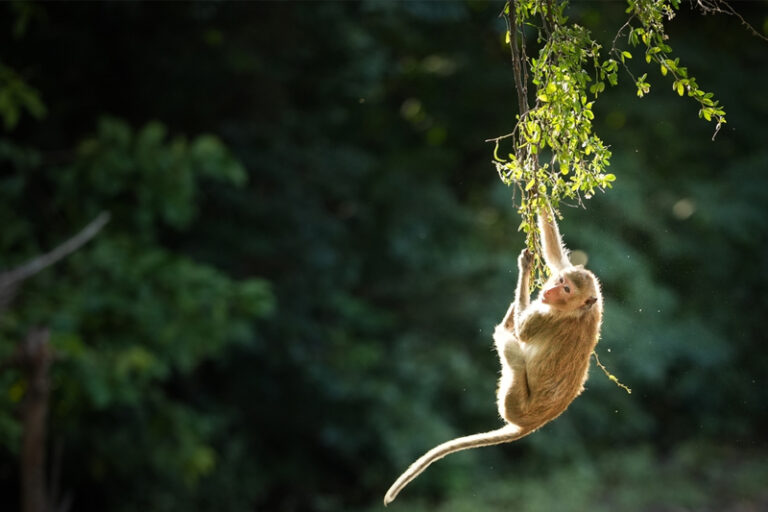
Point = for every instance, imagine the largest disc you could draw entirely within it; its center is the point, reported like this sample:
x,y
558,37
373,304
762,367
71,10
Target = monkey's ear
x,y
589,302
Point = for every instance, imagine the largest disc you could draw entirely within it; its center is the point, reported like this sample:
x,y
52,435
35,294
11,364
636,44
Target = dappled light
x,y
684,208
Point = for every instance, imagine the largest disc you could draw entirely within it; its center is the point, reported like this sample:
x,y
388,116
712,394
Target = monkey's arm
x,y
522,292
555,254
509,319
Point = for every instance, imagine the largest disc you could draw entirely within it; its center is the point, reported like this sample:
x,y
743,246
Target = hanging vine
x,y
553,152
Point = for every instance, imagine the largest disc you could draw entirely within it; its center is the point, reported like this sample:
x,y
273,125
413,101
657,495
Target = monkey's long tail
x,y
505,434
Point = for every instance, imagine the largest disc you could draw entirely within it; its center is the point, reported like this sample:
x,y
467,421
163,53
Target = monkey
x,y
544,349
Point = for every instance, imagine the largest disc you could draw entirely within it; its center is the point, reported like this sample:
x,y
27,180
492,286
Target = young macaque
x,y
544,348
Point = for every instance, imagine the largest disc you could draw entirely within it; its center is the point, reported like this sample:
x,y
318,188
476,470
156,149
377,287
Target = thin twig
x,y
714,6
508,135
615,51
624,26
500,137
610,375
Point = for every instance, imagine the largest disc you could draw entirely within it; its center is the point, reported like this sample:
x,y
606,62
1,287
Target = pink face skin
x,y
559,294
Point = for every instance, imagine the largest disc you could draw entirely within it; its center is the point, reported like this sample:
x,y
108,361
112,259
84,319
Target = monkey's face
x,y
558,293
562,293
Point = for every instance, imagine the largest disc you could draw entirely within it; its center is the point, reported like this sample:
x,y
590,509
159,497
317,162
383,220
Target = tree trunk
x,y
38,357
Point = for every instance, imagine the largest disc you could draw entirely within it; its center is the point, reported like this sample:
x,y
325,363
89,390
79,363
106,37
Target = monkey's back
x,y
558,363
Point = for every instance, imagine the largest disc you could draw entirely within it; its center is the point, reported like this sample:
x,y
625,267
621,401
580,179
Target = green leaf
x,y
551,88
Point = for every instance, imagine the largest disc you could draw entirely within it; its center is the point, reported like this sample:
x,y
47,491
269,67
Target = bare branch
x,y
13,277
723,7
517,64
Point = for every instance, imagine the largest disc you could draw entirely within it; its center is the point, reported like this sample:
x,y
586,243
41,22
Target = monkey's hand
x,y
525,261
547,212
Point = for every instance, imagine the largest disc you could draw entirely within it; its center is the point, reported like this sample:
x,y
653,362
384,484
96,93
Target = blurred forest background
x,y
309,248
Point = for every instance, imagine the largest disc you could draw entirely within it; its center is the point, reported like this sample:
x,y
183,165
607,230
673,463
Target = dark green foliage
x,y
283,315
131,319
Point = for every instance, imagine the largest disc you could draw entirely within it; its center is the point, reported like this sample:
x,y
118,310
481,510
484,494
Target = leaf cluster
x,y
651,15
17,97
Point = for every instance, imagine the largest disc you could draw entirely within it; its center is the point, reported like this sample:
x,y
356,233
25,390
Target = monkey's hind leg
x,y
513,395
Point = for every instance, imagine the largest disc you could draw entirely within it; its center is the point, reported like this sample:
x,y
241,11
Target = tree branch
x,y
722,7
520,85
12,278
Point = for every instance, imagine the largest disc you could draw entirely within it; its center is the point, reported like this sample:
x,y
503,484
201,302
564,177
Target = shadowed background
x,y
310,247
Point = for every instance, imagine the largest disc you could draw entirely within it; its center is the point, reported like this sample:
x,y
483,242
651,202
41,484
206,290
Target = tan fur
x,y
544,351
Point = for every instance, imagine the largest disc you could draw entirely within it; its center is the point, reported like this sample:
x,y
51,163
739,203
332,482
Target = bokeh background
x,y
310,247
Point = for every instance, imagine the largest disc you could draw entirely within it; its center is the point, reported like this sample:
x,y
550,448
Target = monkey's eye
x,y
567,290
561,280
